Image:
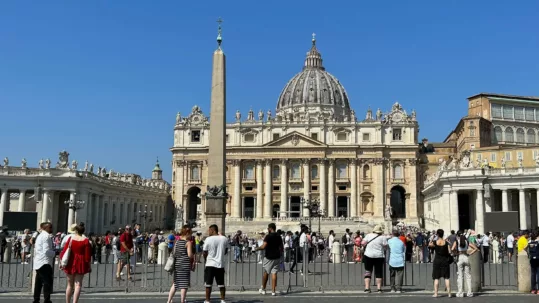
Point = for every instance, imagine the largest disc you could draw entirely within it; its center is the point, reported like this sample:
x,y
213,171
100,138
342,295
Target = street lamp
x,y
73,205
145,215
313,205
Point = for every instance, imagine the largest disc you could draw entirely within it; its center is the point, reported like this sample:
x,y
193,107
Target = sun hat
x,y
378,229
71,229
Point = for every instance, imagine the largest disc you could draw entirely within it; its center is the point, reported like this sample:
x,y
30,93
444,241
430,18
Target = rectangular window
x,y
508,112
529,114
479,157
195,136
366,137
397,134
342,187
519,155
276,136
314,136
276,188
507,156
314,188
248,188
519,113
227,140
342,136
496,111
493,157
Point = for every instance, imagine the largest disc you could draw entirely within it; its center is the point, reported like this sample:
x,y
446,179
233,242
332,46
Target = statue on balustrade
x,y
41,164
74,164
63,160
425,147
378,114
178,118
48,163
389,211
86,165
92,168
6,162
23,163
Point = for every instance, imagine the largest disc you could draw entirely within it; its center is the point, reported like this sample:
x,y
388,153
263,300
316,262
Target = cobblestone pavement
x,y
247,276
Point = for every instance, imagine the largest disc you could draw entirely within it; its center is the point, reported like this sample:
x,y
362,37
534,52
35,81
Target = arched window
x,y
509,135
397,171
276,172
520,135
341,170
498,133
195,173
249,172
531,136
314,172
366,172
295,172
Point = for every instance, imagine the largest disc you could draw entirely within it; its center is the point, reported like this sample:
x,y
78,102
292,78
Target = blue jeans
x,y
534,267
237,253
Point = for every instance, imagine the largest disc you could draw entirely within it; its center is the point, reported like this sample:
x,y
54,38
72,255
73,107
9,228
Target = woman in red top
x,y
78,264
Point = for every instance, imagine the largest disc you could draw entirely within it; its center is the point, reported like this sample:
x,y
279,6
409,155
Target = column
x,y
89,213
22,200
479,212
306,186
101,214
259,189
331,188
46,216
71,211
284,189
267,203
3,203
454,208
523,210
505,201
528,210
82,214
236,209
179,196
353,188
323,185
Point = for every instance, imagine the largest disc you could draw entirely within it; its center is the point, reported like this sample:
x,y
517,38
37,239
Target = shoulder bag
x,y
66,255
169,266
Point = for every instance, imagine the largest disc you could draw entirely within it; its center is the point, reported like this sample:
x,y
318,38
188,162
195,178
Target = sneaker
x,y
393,290
367,291
379,291
469,295
222,301
291,272
273,294
399,291
460,295
262,291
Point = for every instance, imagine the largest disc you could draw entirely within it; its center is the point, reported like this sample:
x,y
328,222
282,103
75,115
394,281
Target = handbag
x,y
169,265
66,255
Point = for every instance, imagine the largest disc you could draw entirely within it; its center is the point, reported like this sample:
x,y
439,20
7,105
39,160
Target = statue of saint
x,y
40,164
92,168
74,164
238,116
86,165
389,211
6,162
48,163
413,115
178,118
503,162
378,114
261,115
251,115
23,163
268,114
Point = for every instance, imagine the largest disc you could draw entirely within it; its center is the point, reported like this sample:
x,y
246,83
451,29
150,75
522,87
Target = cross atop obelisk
x,y
216,194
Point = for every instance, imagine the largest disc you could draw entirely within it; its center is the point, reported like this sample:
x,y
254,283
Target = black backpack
x,y
118,244
534,250
344,240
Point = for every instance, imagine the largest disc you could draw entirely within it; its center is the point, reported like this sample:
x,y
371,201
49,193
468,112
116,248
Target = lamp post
x,y
73,204
145,215
313,205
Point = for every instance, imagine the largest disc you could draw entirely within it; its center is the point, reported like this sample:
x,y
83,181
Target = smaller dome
x,y
157,167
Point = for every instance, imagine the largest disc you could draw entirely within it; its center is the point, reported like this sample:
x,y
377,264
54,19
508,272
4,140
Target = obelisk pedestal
x,y
216,194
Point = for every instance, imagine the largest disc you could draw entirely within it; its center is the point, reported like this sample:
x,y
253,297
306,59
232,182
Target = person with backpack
x,y
533,254
464,249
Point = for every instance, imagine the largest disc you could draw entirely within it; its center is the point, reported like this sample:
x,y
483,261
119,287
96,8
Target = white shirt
x,y
376,245
331,238
43,250
510,241
485,241
302,239
287,241
216,247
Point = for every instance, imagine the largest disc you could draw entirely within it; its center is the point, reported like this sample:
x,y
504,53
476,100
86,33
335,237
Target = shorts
x,y
271,266
510,250
123,256
214,273
374,263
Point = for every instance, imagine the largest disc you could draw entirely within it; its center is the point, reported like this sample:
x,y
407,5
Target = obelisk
x,y
216,193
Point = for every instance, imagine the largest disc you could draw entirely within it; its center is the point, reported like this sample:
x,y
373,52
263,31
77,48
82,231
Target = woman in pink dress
x,y
78,264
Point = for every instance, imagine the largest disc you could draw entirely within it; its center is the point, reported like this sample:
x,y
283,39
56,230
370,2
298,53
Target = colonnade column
x,y
3,203
505,201
523,210
46,216
306,186
353,189
82,214
89,213
331,188
259,189
236,210
268,197
323,186
22,200
101,214
71,211
454,208
284,189
479,212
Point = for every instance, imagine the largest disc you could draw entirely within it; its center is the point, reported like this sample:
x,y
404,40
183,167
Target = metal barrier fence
x,y
244,272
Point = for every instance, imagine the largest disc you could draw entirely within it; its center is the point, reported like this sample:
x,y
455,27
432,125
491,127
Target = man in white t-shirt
x,y
215,249
331,239
510,244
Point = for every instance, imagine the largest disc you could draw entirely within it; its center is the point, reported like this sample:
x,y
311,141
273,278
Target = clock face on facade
x,y
397,117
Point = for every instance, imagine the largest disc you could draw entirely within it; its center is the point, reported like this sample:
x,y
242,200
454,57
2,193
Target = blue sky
x,y
104,79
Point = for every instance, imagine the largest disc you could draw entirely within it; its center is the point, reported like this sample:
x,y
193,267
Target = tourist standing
x,y
440,266
419,242
126,250
78,265
485,243
273,249
184,263
510,242
522,242
331,239
215,249
464,249
44,254
396,262
25,246
533,253
373,258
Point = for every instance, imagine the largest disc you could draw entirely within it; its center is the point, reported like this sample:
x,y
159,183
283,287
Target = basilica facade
x,y
313,147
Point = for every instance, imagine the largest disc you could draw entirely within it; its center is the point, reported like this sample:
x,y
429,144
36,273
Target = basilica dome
x,y
314,90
